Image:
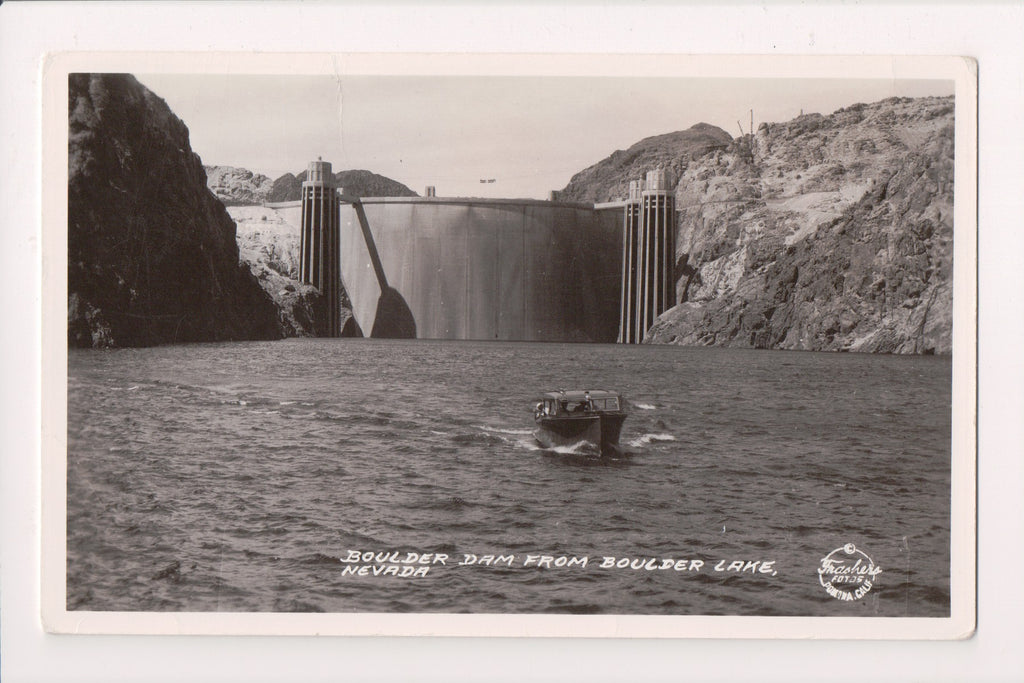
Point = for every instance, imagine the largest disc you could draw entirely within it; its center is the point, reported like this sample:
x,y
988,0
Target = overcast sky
x,y
530,134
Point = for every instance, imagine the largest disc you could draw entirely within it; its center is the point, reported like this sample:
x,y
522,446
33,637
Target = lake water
x,y
255,476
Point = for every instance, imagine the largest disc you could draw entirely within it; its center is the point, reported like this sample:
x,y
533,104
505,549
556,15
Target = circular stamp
x,y
847,573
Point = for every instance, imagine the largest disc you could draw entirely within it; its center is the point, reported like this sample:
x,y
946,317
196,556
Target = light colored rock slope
x,y
268,242
237,185
266,238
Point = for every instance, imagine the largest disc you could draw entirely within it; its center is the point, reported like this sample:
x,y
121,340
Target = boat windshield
x,y
611,403
563,406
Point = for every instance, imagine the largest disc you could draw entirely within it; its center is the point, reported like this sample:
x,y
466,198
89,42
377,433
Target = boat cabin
x,y
569,403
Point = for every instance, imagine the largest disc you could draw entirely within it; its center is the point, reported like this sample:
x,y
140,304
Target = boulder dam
x,y
470,268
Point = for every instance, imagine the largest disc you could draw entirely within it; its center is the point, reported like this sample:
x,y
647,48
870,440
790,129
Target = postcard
x,y
509,345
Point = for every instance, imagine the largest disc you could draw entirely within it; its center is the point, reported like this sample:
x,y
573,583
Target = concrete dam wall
x,y
483,269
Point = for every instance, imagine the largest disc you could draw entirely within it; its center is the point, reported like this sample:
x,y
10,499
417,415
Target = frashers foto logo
x,y
847,573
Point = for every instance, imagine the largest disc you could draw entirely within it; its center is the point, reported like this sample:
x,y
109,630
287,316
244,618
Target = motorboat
x,y
567,418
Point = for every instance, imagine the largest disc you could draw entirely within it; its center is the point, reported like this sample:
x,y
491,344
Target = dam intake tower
x,y
648,256
320,253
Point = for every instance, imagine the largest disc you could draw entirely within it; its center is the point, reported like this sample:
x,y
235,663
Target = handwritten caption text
x,y
408,564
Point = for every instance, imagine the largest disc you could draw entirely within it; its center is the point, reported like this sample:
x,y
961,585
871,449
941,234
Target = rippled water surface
x,y
241,477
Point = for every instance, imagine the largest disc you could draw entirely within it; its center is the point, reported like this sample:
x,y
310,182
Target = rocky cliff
x,y
269,245
821,233
608,180
152,256
237,186
288,188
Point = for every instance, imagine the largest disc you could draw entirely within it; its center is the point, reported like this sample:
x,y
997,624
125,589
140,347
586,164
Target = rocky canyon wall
x,y
152,256
821,233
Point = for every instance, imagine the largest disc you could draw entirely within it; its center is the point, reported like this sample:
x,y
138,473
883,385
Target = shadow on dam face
x,y
393,319
523,270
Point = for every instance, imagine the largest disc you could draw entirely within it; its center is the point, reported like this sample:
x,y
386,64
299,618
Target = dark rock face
x,y
152,256
301,308
288,188
608,180
366,184
821,233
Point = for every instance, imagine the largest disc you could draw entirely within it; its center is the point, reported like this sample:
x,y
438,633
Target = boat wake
x,y
578,448
527,440
647,439
644,406
511,432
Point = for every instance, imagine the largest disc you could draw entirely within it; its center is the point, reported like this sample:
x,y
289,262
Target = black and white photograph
x,y
518,342
384,343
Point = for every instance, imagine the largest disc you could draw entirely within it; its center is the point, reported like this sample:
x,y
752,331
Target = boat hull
x,y
601,432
